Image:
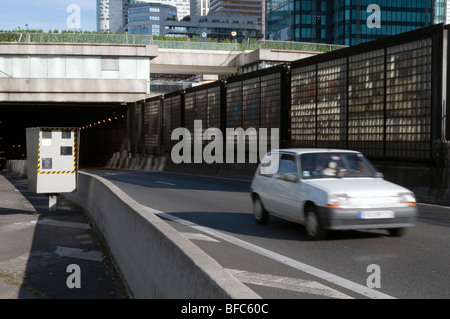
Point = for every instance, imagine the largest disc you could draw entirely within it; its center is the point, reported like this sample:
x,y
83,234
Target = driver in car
x,y
332,169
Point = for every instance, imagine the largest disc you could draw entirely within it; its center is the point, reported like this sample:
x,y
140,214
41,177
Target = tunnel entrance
x,y
103,127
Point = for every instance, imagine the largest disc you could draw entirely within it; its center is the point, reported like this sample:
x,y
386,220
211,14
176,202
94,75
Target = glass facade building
x,y
149,18
366,20
111,14
244,8
183,6
441,11
348,22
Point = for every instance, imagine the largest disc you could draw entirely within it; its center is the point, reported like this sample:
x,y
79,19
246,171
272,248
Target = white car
x,y
327,189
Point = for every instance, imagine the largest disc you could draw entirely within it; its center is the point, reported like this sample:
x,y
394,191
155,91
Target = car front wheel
x,y
313,225
259,212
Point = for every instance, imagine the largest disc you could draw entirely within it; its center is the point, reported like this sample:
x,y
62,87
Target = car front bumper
x,y
373,218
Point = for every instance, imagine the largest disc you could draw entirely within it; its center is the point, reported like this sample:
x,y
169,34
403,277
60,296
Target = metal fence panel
x,y
303,106
214,106
332,103
366,103
152,126
409,104
234,104
379,102
171,119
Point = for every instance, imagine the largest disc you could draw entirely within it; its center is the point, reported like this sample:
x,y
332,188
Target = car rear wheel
x,y
313,225
259,212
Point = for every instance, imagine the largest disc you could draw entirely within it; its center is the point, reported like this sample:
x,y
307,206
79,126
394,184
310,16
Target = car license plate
x,y
376,214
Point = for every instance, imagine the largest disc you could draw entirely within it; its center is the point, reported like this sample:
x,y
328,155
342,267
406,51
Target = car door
x,y
264,180
284,188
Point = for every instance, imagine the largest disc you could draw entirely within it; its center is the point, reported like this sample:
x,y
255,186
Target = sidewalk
x,y
50,255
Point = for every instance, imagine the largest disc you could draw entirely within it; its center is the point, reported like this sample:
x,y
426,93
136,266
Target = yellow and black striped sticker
x,y
58,128
75,130
57,172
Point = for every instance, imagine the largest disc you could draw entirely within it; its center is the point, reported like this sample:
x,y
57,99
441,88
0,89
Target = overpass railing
x,y
38,37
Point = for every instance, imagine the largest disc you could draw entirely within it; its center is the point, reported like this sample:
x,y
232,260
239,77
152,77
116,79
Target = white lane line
x,y
79,253
342,282
53,222
197,236
165,183
287,283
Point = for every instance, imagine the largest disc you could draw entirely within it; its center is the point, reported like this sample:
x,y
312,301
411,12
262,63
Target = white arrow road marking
x,y
16,268
53,222
197,236
9,228
342,282
92,255
293,284
19,264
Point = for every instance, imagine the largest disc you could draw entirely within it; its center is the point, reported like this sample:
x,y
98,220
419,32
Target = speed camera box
x,y
52,159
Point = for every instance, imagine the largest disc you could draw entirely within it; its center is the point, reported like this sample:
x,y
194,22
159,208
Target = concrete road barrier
x,y
155,260
17,167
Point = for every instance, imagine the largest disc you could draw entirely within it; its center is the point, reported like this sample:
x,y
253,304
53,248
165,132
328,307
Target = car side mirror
x,y
379,175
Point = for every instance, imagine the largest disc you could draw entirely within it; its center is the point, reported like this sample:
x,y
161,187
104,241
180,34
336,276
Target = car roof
x,y
311,150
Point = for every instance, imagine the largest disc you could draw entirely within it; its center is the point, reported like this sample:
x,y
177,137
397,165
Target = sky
x,y
48,15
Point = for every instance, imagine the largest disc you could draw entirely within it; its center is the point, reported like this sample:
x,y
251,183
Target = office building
x,y
199,7
244,8
149,18
348,22
183,6
112,15
371,21
440,11
161,19
219,27
447,12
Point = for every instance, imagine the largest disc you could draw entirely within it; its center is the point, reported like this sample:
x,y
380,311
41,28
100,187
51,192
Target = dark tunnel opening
x,y
103,128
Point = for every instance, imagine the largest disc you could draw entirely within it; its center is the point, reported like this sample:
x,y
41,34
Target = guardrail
x,y
125,38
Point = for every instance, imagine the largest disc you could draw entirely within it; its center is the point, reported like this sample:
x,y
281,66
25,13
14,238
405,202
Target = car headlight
x,y
336,200
408,198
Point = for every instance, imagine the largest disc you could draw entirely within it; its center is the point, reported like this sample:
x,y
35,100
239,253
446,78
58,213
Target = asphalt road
x,y
50,255
278,261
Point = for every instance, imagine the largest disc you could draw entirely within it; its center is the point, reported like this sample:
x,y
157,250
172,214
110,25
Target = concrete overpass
x,y
213,62
78,84
72,72
110,73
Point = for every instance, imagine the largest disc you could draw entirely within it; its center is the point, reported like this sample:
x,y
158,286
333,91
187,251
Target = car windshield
x,y
335,165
